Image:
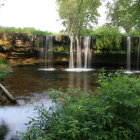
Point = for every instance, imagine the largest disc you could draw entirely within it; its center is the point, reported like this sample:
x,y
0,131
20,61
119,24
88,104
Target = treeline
x,y
27,30
111,38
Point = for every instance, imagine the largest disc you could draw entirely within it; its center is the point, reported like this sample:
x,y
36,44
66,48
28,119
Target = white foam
x,y
128,72
137,71
78,70
47,69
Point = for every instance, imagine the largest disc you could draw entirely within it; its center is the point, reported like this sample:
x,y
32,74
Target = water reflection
x,y
80,80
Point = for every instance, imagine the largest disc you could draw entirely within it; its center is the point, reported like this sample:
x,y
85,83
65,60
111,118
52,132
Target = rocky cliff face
x,y
21,48
18,47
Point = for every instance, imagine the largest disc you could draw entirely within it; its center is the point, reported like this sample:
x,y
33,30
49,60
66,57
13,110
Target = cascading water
x,y
138,55
128,67
80,54
46,52
87,52
49,52
71,61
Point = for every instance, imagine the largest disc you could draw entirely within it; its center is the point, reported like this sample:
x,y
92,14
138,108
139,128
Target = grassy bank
x,y
5,69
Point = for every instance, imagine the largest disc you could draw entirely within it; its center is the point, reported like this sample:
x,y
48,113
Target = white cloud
x,y
40,14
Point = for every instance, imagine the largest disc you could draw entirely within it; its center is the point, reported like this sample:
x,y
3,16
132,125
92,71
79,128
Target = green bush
x,y
5,69
106,38
113,114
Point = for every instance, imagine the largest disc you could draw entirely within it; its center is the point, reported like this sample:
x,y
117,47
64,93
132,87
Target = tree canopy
x,y
78,14
124,14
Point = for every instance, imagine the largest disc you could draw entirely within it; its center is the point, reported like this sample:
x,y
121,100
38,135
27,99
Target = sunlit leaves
x,y
124,14
78,14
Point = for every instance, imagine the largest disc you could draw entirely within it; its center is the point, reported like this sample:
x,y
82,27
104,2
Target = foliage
x,y
106,38
124,14
134,33
5,69
27,30
104,76
113,114
78,14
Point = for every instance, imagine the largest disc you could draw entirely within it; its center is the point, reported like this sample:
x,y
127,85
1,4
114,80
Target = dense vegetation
x,y
124,14
106,38
112,112
79,16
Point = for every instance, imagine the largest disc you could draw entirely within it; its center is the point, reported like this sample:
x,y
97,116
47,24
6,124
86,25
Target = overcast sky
x,y
40,14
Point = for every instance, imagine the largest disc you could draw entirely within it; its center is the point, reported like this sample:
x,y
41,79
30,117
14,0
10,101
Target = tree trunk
x,y
7,94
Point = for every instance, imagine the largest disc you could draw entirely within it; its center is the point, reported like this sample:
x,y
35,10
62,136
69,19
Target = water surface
x,y
30,87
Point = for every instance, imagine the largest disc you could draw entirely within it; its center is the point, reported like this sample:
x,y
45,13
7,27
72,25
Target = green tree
x,y
124,14
78,15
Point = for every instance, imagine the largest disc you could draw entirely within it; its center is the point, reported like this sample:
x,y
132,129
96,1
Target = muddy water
x,y
30,87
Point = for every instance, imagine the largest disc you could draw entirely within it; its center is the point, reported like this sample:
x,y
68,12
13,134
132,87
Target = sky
x,y
40,14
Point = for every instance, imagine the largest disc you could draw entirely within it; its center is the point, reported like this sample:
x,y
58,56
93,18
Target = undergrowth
x,y
113,114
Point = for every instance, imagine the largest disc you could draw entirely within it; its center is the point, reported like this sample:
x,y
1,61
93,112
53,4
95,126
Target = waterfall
x,y
128,67
46,51
71,61
49,52
87,52
79,53
138,55
82,57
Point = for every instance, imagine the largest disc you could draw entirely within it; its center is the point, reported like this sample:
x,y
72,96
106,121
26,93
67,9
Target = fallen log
x,y
7,94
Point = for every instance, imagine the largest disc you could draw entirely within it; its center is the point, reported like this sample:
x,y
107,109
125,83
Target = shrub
x,y
113,114
5,69
106,38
